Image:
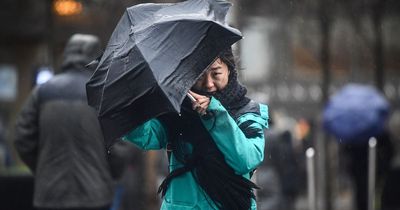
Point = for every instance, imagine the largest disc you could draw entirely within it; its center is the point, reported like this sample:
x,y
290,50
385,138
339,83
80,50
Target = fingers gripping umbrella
x,y
154,56
356,113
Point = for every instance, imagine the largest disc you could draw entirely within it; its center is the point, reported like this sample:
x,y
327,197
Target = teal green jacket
x,y
241,153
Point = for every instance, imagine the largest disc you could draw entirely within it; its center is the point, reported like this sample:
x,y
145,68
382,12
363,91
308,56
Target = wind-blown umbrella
x,y
154,56
356,113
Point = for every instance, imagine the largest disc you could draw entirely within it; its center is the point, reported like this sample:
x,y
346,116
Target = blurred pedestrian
x,y
214,144
278,176
59,138
391,186
128,169
356,155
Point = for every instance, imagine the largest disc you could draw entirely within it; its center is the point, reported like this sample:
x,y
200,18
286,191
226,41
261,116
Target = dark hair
x,y
227,57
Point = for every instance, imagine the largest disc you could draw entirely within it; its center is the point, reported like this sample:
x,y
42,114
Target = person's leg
x,y
391,191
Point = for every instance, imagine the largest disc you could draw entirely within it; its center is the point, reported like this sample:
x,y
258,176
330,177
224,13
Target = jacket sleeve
x,y
243,154
151,135
27,131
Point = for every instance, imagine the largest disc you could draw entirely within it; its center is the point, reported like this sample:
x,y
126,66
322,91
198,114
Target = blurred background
x,y
294,56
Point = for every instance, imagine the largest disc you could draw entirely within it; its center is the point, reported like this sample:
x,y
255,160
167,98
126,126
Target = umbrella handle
x,y
191,97
194,100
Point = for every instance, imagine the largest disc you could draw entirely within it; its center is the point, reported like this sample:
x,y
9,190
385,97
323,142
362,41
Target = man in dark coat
x,y
59,138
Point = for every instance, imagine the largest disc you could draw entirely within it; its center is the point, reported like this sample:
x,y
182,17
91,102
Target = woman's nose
x,y
209,83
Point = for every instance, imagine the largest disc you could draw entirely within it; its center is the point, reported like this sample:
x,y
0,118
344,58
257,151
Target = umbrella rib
x,y
104,86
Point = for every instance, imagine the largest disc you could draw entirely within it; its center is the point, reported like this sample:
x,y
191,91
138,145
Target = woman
x,y
214,144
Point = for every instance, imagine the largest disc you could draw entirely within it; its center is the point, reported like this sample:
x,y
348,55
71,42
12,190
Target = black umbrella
x,y
154,56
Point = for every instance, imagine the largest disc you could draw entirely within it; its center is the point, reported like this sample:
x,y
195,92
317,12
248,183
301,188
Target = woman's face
x,y
215,78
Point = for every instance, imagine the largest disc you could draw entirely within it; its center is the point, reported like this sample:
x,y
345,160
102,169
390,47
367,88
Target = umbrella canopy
x,y
356,113
154,56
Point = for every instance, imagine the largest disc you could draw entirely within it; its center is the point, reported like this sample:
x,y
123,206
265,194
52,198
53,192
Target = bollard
x,y
310,154
371,172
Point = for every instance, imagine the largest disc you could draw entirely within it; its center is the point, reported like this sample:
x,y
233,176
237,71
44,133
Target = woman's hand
x,y
201,103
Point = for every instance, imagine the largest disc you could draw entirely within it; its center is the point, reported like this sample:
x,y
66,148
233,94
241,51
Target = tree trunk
x,y
323,164
378,11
